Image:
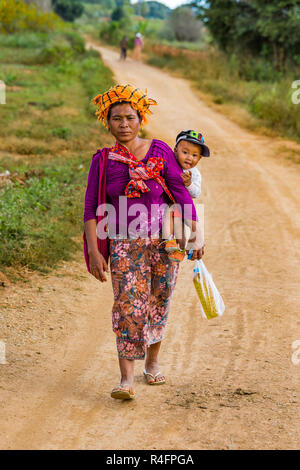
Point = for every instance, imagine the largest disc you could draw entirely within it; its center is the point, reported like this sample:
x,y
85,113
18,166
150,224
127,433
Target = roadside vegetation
x,y
48,135
255,86
239,53
49,129
249,57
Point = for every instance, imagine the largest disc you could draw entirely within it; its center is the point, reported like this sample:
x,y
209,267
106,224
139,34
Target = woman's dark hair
x,y
116,104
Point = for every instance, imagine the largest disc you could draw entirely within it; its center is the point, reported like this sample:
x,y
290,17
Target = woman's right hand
x,y
197,254
98,265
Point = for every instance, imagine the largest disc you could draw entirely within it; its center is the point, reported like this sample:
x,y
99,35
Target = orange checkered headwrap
x,y
135,96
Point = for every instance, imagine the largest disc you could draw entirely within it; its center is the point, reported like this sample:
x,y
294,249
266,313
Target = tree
x,y
152,9
144,9
117,14
122,12
68,10
259,27
220,17
107,4
279,24
103,8
184,24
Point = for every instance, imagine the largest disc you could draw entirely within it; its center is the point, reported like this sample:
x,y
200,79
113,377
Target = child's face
x,y
188,154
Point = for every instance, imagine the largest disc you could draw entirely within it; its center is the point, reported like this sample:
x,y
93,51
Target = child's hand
x,y
187,178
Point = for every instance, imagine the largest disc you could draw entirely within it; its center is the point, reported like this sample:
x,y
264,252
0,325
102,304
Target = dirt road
x,y
231,382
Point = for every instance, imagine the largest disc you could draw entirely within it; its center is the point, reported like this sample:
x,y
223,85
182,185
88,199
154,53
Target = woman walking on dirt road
x,y
138,44
136,175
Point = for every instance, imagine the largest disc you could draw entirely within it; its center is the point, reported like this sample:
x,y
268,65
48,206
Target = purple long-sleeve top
x,y
149,207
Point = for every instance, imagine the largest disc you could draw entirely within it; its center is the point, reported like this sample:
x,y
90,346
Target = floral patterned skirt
x,y
143,280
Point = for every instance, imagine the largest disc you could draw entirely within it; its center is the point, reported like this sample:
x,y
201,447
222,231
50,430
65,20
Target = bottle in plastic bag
x,y
211,302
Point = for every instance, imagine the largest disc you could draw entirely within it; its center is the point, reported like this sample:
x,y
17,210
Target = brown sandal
x,y
177,256
154,377
122,392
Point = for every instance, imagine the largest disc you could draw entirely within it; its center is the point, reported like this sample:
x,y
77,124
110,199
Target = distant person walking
x,y
123,46
138,44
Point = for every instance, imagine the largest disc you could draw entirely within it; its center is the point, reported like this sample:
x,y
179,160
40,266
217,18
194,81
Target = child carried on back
x,y
189,149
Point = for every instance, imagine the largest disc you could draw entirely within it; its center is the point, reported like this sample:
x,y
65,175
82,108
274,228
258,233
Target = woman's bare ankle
x,y
151,366
127,379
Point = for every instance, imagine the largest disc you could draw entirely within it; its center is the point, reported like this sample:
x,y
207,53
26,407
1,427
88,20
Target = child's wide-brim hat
x,y
195,138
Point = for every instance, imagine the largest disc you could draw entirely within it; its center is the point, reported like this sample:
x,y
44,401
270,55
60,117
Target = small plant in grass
x,y
62,132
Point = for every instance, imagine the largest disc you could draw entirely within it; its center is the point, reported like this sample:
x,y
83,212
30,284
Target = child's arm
x,y
196,240
192,182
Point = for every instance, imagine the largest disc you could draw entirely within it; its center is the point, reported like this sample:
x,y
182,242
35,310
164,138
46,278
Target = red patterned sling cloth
x,y
139,172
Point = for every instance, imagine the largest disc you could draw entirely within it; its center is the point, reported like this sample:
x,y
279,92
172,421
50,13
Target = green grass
x,y
48,135
40,215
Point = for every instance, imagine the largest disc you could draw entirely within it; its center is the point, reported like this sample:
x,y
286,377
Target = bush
x,y
111,32
118,14
24,39
15,15
184,25
76,41
274,106
29,226
61,49
256,69
69,10
62,132
54,53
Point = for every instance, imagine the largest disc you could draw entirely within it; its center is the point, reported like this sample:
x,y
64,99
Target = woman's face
x,y
124,122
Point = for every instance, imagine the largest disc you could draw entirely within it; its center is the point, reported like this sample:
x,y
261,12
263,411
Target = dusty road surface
x,y
231,382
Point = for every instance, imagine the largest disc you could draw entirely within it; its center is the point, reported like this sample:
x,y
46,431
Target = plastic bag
x,y
211,302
